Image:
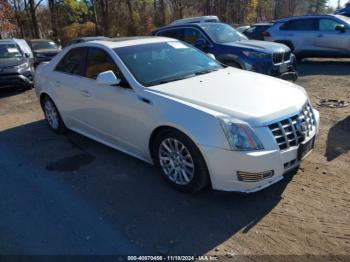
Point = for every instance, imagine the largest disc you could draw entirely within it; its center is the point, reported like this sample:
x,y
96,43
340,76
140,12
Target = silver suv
x,y
313,36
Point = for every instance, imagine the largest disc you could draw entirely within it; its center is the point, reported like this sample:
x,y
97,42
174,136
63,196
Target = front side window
x,y
99,61
328,24
158,63
8,51
223,33
191,35
73,62
301,25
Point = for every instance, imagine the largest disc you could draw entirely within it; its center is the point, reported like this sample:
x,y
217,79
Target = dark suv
x,y
234,49
16,67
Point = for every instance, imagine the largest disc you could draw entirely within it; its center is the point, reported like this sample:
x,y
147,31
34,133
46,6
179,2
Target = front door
x,y
115,114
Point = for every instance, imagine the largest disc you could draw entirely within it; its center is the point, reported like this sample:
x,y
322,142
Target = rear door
x,y
331,41
68,88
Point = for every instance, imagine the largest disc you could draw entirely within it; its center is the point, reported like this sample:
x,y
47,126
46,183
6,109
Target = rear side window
x,y
73,62
99,61
173,33
301,25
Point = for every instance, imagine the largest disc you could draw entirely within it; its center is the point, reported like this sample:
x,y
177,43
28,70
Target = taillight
x,y
266,34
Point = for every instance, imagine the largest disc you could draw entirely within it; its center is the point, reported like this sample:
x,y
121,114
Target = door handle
x,y
85,93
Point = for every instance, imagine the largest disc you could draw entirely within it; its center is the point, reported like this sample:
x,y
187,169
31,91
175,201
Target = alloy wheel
x,y
176,161
51,114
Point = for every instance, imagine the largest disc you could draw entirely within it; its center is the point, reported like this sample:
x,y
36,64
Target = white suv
x,y
313,36
167,103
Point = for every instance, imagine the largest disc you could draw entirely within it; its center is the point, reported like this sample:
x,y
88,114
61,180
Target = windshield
x,y
223,33
44,45
154,64
10,51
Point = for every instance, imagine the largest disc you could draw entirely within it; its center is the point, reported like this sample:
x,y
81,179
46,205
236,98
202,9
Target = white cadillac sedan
x,y
169,104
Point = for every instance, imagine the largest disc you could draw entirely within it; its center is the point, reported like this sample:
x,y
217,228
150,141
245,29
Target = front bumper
x,y
285,70
223,164
16,80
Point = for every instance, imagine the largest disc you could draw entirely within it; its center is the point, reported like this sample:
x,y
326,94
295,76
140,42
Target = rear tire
x,y
180,161
52,115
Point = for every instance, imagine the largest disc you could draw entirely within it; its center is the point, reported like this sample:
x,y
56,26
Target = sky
x,y
334,3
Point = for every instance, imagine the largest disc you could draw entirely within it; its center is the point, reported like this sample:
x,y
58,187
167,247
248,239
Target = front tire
x,y
52,115
180,162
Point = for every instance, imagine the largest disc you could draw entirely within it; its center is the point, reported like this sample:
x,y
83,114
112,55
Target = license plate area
x,y
304,149
283,68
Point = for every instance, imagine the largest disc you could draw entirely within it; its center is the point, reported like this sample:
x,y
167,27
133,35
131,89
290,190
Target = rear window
x,y
301,25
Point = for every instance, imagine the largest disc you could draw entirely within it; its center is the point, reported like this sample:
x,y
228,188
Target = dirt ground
x,y
70,195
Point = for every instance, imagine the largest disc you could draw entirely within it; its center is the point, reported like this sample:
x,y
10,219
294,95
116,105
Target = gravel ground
x,y
66,194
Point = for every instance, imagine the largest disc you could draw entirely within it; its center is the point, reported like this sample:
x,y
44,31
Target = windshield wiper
x,y
205,71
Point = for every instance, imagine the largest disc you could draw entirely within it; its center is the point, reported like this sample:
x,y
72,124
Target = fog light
x,y
254,177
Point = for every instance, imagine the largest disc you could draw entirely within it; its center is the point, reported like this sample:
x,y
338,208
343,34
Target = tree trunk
x,y
162,11
35,24
94,13
53,13
132,30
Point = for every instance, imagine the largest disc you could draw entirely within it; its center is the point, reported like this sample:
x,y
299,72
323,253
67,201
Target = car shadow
x,y
10,91
66,194
333,67
338,140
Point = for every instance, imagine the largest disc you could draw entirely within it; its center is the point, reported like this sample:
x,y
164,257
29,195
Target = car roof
x,y
91,38
41,40
263,24
198,25
8,41
129,41
302,17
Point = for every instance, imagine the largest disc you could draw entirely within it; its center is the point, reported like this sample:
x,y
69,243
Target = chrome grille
x,y
254,177
281,57
294,130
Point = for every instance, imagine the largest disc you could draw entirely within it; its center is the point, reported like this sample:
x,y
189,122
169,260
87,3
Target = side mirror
x,y
340,28
201,43
211,56
108,78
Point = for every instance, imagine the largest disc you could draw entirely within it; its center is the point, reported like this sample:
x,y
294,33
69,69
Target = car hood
x,y
10,62
46,51
254,98
263,46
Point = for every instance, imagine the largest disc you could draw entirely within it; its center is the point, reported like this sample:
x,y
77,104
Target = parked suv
x,y
234,49
16,67
313,36
44,50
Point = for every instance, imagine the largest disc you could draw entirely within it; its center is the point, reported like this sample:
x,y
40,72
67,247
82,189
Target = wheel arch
x,y
231,58
162,128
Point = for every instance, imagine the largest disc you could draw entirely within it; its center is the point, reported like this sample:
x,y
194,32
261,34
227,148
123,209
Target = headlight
x,y
21,66
259,55
240,136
